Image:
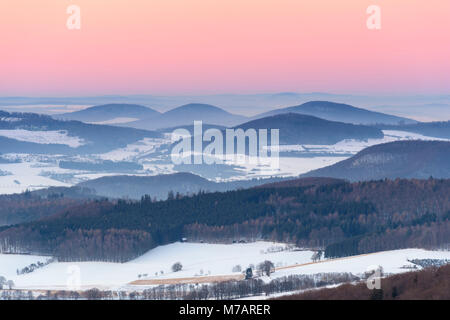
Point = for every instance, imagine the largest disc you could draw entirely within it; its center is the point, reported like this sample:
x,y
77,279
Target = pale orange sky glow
x,y
239,46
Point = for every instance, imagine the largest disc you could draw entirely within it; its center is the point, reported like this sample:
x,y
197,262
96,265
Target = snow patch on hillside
x,y
138,149
352,146
118,120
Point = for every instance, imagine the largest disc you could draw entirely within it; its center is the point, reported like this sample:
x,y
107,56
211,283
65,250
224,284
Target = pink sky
x,y
223,46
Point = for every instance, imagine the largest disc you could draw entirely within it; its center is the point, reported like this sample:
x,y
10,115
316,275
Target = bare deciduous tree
x,y
10,284
266,267
2,282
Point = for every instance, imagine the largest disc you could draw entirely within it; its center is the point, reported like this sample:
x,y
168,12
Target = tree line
x,y
214,291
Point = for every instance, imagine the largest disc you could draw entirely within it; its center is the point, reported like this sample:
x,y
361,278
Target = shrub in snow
x,y
177,266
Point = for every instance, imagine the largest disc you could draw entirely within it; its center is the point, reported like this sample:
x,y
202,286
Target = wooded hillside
x,y
342,218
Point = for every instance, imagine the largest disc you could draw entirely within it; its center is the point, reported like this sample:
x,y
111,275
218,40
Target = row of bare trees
x,y
217,291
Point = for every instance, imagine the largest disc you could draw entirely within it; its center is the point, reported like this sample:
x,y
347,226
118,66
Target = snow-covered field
x,y
43,137
9,263
196,258
199,259
27,175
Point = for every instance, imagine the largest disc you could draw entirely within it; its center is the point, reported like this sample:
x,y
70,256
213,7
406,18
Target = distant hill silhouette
x,y
304,129
186,115
400,159
159,186
339,112
110,111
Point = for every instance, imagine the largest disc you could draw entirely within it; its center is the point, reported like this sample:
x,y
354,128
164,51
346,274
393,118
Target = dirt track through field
x,y
322,261
205,279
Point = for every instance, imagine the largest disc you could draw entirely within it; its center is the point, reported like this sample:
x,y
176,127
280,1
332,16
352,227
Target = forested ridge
x,y
27,206
342,218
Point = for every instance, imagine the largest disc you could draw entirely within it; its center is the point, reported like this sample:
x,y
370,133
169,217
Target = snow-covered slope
x,y
9,263
201,260
392,262
212,259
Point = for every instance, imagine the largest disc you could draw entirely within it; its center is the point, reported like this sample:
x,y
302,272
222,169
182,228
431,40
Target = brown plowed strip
x,y
207,279
323,261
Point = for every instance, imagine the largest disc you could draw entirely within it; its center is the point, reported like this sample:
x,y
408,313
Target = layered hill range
x,y
400,159
294,129
40,151
298,128
141,117
99,130
340,112
40,134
